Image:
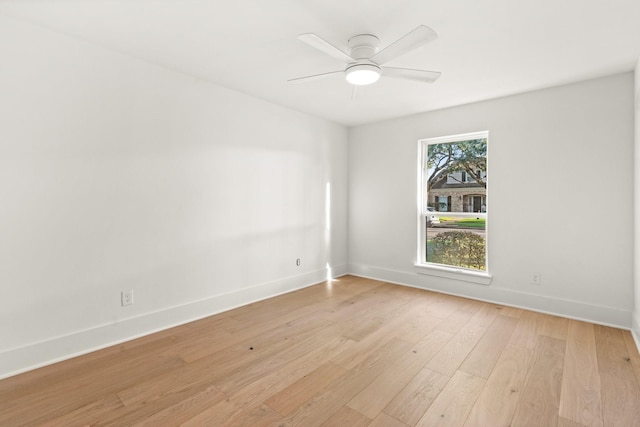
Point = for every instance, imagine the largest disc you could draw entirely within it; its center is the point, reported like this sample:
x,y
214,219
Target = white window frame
x,y
439,270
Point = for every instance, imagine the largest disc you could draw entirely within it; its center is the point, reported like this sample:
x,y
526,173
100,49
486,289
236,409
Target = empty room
x,y
319,213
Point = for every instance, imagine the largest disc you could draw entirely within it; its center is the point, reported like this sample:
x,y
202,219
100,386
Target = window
x,y
443,204
453,182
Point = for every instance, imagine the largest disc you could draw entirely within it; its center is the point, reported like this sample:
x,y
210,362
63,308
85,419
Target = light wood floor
x,y
355,352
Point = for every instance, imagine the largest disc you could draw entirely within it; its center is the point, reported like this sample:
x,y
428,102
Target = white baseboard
x,y
635,327
39,354
608,316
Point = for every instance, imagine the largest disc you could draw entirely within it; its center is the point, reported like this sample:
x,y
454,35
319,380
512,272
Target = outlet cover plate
x,y
535,278
126,297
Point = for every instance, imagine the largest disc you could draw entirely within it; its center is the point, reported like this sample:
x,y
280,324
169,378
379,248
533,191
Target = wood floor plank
x,y
344,311
275,382
373,398
215,415
224,366
511,312
362,328
316,410
260,327
202,344
613,356
384,420
411,403
180,412
554,327
292,397
299,346
633,353
580,399
617,393
81,391
619,384
398,326
449,359
376,313
261,416
460,317
342,353
563,422
540,397
417,322
259,336
161,386
292,303
497,402
453,404
347,417
526,333
88,414
443,306
483,357
156,399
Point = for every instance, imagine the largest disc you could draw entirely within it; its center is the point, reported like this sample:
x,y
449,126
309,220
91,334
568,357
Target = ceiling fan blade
x,y
410,74
324,46
414,39
315,77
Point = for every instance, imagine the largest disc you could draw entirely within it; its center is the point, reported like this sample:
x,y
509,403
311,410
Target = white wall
x,y
117,174
636,311
560,198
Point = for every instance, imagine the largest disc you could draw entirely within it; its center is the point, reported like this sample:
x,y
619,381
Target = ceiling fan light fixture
x,y
362,74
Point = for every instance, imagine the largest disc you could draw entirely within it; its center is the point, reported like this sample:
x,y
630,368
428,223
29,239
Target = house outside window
x,y
453,182
466,194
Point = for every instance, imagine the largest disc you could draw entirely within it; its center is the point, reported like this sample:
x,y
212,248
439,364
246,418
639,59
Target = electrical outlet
x,y
535,278
126,297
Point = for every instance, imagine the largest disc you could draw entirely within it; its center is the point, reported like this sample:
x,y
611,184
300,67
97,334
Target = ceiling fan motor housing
x,y
363,46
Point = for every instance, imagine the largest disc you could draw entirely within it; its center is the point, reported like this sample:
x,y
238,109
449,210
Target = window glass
x,y
453,200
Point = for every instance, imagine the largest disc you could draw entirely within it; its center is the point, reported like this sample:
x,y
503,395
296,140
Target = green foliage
x,y
469,156
457,248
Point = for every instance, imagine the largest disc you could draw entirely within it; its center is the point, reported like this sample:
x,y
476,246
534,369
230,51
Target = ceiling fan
x,y
364,61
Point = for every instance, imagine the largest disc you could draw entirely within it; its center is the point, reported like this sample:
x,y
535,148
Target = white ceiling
x,y
485,49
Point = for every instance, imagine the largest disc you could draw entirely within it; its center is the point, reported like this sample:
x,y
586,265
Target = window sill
x,y
454,273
